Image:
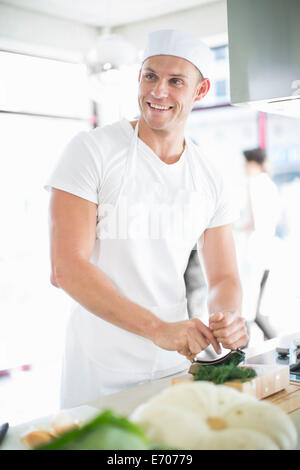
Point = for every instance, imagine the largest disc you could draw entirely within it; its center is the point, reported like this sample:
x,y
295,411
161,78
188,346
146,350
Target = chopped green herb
x,y
223,373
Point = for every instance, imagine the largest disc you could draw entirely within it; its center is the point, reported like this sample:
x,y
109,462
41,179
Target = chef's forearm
x,y
226,295
91,288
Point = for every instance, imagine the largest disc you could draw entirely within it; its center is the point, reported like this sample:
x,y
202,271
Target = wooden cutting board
x,y
270,380
288,399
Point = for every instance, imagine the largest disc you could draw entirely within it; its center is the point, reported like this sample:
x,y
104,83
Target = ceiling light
x,y
111,51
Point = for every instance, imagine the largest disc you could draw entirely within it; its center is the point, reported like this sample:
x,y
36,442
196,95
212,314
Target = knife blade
x,y
237,354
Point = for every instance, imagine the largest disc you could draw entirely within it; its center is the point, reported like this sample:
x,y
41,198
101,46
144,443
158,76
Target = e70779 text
x,y
171,459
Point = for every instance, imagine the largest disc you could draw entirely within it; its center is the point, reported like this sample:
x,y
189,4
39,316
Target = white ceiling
x,y
106,12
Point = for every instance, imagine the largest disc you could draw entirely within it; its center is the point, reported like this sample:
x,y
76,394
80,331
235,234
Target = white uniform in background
x,y
256,249
113,168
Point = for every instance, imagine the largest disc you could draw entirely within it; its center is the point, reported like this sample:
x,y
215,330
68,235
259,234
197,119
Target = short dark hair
x,y
257,155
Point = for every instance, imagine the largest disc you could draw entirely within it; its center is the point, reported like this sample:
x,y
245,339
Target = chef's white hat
x,y
179,44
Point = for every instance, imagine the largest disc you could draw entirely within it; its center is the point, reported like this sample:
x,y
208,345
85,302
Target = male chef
x,y
129,201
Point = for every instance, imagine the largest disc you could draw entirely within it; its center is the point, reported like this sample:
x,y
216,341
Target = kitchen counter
x,y
126,401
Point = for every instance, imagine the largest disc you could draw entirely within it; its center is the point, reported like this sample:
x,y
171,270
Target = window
x,y
221,52
223,134
43,86
219,79
43,104
221,88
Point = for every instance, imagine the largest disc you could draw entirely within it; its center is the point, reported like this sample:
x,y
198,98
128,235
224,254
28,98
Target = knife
x,y
3,431
236,356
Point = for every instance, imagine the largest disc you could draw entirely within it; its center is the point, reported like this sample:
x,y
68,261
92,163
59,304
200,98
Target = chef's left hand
x,y
229,329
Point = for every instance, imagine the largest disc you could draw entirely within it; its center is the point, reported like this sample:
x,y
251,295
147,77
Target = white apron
x,y
101,358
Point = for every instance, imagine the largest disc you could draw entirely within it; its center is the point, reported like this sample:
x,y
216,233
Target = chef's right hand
x,y
188,337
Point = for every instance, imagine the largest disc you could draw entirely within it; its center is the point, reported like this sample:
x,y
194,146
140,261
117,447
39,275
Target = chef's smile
x,y
158,107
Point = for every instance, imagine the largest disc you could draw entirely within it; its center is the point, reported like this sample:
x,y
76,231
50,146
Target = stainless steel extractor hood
x,y
264,55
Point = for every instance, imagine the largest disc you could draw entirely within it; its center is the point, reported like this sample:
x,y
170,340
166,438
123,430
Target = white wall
x,y
207,21
27,31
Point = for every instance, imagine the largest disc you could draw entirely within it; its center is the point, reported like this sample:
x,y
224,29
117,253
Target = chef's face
x,y
168,88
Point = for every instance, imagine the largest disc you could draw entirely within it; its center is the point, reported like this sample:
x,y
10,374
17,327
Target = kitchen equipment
x,y
264,55
3,431
237,356
286,354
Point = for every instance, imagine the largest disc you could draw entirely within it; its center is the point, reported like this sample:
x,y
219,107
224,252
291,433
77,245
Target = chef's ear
x,y
203,89
140,73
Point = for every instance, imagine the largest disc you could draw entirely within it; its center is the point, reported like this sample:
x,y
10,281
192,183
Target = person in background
x,y
257,230
129,202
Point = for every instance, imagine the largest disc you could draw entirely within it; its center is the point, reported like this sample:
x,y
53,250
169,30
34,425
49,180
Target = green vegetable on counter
x,y
227,369
223,373
107,431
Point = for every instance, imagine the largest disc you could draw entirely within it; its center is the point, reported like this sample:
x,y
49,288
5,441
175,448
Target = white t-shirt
x,y
92,167
94,160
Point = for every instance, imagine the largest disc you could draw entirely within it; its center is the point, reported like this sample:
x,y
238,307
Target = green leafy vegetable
x,y
225,370
107,431
223,373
